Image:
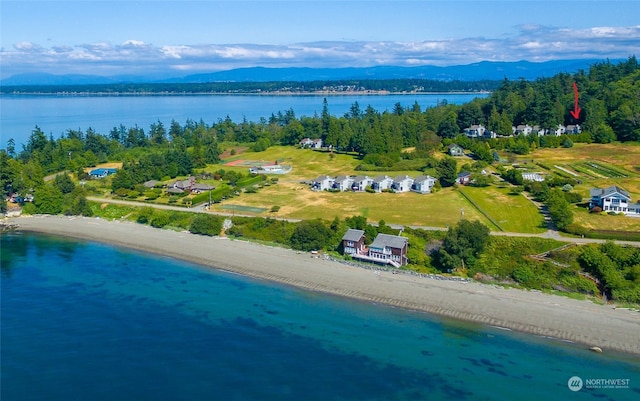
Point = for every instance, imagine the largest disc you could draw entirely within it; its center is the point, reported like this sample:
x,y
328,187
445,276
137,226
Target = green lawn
x,y
511,212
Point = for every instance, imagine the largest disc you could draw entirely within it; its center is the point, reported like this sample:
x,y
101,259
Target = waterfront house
x,y
613,199
423,184
402,183
381,183
361,182
390,249
455,150
353,242
322,183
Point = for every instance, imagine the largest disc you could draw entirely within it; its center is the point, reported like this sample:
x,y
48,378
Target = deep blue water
x,y
86,321
56,114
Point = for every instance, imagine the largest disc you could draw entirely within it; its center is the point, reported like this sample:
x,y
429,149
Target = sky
x,y
178,38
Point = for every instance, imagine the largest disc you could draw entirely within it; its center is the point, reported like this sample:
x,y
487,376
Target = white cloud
x,y
532,42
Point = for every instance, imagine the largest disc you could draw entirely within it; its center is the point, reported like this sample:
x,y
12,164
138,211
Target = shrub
x,y
275,209
160,220
595,209
151,195
206,224
145,215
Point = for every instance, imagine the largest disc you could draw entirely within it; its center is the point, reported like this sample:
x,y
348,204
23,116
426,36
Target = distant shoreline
x,y
544,315
273,93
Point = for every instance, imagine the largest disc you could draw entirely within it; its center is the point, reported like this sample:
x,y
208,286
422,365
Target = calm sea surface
x,y
85,321
56,114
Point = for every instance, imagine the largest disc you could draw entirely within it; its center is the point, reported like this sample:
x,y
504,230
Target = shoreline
x,y
266,93
540,314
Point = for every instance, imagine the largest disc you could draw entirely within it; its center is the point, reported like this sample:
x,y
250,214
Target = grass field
x,y
297,201
619,165
511,212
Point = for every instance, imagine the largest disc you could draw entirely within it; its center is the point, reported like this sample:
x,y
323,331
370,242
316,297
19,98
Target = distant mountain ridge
x,y
485,70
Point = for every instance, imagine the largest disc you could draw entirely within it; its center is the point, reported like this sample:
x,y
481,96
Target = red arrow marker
x,y
575,113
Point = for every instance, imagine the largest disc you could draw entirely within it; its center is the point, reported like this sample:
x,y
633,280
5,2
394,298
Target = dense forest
x,y
610,111
362,85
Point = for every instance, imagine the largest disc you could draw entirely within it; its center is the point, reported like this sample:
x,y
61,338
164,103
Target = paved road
x,y
551,233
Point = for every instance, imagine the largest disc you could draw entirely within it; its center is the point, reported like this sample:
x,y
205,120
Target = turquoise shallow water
x,y
85,321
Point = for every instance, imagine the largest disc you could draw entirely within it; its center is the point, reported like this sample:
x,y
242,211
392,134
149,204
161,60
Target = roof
x,y
101,171
362,178
381,178
454,145
322,178
391,241
353,235
464,174
422,178
609,191
203,187
402,178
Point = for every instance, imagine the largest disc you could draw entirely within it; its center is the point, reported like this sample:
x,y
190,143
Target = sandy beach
x,y
533,312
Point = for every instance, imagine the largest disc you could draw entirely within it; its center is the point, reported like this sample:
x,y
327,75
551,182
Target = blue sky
x,y
178,38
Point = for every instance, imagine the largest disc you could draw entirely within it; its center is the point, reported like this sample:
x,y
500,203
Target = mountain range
x,y
485,70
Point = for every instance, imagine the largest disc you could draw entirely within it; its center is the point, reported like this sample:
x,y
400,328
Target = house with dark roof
x,y
613,199
353,242
463,178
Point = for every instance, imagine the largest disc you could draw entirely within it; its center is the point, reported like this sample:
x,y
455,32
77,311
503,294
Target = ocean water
x,y
19,114
87,321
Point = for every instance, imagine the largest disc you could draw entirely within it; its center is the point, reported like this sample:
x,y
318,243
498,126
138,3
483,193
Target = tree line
x,y
344,85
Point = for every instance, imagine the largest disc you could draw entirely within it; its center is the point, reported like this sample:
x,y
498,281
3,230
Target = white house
x,y
342,183
311,143
523,129
560,130
613,199
423,184
382,182
475,131
402,183
573,129
361,182
322,183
